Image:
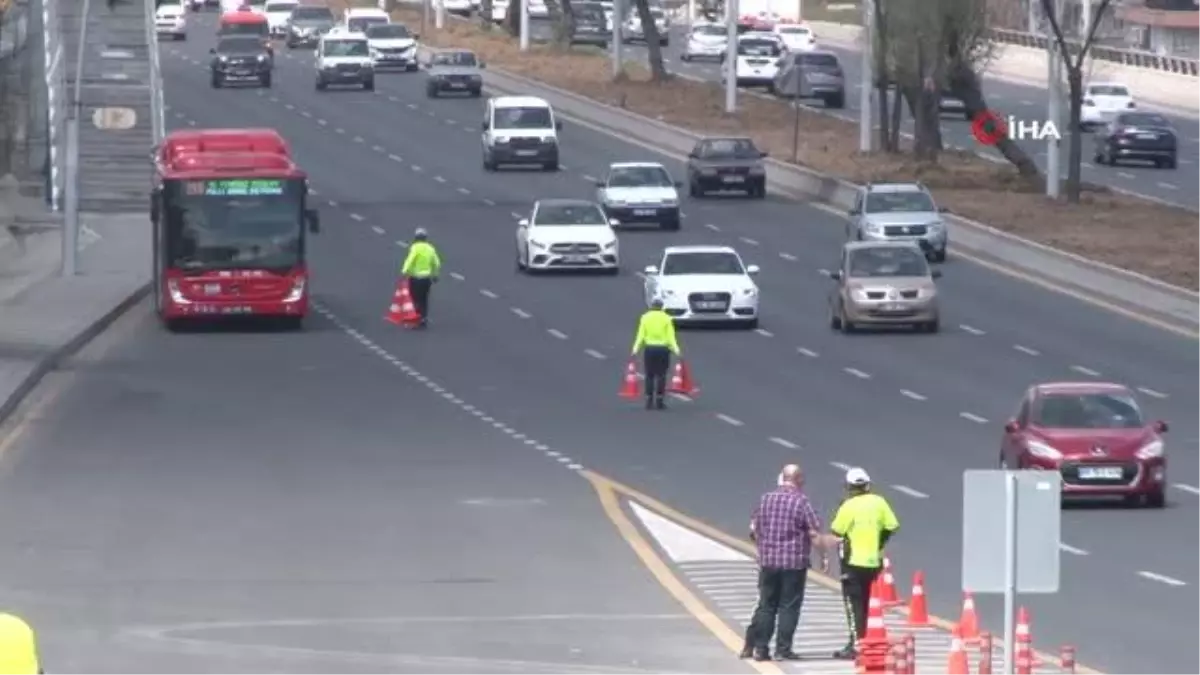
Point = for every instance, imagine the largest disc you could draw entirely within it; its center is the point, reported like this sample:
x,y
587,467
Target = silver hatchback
x,y
899,212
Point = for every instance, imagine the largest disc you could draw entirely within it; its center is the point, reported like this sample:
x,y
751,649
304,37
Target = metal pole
x,y
523,24
691,11
731,50
866,86
70,239
618,49
425,16
1085,18
1010,568
439,16
1054,112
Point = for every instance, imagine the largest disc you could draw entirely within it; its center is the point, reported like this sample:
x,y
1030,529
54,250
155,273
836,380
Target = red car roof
x,y
1080,387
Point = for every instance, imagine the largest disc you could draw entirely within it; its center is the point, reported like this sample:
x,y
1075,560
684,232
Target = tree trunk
x,y
882,78
885,129
1075,151
927,124
658,69
897,118
512,18
563,20
485,14
964,85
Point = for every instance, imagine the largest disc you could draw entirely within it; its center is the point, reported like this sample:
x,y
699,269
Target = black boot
x,y
660,401
650,402
847,653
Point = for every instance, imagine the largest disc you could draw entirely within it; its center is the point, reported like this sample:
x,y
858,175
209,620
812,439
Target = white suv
x,y
344,58
520,130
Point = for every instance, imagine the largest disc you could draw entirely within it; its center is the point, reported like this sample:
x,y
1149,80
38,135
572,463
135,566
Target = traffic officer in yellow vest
x,y
421,267
18,647
863,523
656,340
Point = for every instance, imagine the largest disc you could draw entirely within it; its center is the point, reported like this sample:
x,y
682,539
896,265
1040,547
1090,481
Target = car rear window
x,y
312,13
824,60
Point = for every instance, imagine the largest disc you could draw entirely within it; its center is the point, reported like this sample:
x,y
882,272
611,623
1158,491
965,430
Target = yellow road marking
x,y
607,492
607,486
24,417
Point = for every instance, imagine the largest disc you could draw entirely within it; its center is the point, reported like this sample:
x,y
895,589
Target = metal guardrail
x,y
1125,57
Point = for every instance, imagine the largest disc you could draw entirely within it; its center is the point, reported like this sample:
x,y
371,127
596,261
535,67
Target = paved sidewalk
x,y
44,317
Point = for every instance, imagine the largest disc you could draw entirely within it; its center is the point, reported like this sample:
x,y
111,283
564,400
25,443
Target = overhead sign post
x,y
1012,527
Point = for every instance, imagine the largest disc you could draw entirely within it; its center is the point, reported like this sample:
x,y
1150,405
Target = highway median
x,y
1118,230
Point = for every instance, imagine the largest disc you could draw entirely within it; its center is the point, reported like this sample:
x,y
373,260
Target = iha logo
x,y
989,129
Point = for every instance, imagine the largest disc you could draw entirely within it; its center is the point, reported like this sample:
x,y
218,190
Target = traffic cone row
x,y
630,385
1022,644
918,606
957,661
968,621
874,647
681,380
888,594
402,311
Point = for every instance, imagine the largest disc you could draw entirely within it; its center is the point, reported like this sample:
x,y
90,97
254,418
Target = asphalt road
x,y
546,353
1027,103
264,502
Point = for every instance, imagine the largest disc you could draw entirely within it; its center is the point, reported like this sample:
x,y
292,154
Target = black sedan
x,y
239,59
727,164
1140,136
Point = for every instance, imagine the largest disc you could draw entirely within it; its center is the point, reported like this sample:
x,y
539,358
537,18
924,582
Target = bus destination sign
x,y
237,187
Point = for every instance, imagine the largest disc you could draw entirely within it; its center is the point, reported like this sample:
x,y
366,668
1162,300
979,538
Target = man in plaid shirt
x,y
784,528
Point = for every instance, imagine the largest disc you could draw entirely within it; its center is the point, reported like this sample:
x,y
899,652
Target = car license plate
x,y
710,304
458,85
575,259
1147,137
1100,473
893,307
733,179
526,153
644,212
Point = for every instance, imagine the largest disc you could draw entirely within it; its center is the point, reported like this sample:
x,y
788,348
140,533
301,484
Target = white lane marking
x,y
463,191
763,332
377,148
681,397
971,329
377,229
732,421
840,465
401,243
1161,578
557,333
973,417
807,352
333,203
1071,549
415,167
784,442
520,312
1085,371
357,217
590,179
322,122
516,215
457,277
824,272
1026,350
1126,175
489,202
439,179
289,106
911,492
748,240
412,106
594,354
857,373
788,257
1186,488
339,130
712,227
396,158
1168,186
359,139
911,394
487,294
1151,392
1025,102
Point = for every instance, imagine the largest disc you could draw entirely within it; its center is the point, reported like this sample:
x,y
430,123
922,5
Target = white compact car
x,y
704,284
706,41
632,30
359,19
392,46
1102,101
757,60
344,58
279,12
459,7
567,234
640,192
796,37
520,130
170,20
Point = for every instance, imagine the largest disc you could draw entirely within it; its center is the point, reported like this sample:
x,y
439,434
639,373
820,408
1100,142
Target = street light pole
x,y
1054,110
523,25
731,50
866,86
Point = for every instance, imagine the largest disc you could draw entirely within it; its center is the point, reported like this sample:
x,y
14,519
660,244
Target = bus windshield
x,y
234,224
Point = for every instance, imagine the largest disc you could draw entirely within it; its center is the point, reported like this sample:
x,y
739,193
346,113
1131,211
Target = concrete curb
x,y
48,363
995,248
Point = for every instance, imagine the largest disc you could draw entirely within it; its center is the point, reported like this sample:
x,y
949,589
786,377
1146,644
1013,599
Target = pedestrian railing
x,y
1127,57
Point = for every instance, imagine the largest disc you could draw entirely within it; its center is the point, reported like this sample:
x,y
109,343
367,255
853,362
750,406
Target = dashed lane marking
x,y
857,373
1071,549
377,229
1083,370
439,179
1151,392
1186,488
763,332
395,158
971,329
520,312
554,332
1026,350
748,240
457,277
783,442
1161,578
355,216
712,227
788,257
804,351
488,294
973,417
731,421
911,492
912,394
594,354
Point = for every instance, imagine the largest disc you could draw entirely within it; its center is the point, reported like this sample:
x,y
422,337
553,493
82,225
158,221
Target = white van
x,y
359,19
520,130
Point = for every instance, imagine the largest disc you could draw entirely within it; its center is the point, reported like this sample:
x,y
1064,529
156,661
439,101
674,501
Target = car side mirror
x,y
557,125
935,274
484,126
1161,427
753,269
692,155
613,222
416,36
835,275
524,222
651,270
314,220
212,50
482,65
1011,427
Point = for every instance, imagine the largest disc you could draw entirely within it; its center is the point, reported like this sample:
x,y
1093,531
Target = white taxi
x,y
704,284
567,234
1102,101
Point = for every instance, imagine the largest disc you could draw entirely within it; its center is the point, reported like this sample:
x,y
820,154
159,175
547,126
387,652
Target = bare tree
x,y
658,69
917,65
512,18
485,15
889,127
1074,58
563,20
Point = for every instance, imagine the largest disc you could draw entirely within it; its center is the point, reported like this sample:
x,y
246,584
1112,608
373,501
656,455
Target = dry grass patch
x,y
1149,238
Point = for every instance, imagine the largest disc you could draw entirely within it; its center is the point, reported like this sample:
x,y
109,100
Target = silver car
x,y
454,71
884,284
899,212
811,75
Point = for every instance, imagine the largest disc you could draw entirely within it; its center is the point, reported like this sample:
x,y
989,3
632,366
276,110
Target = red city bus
x,y
230,229
245,21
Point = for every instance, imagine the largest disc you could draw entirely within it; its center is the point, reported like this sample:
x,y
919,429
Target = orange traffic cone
x,y
888,594
681,380
968,623
630,387
402,312
957,662
918,608
876,629
1023,644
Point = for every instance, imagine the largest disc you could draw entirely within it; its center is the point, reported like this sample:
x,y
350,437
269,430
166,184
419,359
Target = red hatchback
x,y
1094,435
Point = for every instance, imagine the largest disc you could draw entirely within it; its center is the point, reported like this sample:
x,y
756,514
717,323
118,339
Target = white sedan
x,y
279,12
170,19
1102,101
567,234
704,284
796,37
640,192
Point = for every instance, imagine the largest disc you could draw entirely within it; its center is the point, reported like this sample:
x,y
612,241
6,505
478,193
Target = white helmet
x,y
857,477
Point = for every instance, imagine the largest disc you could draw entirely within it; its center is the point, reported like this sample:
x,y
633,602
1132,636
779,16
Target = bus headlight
x,y
177,296
297,292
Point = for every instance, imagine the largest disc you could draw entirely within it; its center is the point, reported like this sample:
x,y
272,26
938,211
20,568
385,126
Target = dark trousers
x,y
780,595
656,361
856,593
419,287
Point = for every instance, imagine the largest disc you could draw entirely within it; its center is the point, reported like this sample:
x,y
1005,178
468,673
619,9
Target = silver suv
x,y
899,212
